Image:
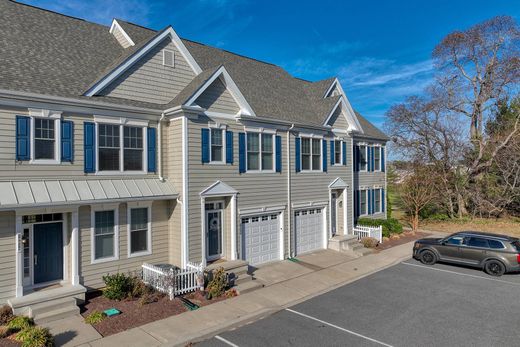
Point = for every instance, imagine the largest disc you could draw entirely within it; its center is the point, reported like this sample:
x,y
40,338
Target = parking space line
x,y
225,341
339,328
462,274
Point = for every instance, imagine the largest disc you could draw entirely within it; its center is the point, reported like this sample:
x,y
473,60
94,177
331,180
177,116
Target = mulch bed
x,y
405,237
8,342
134,314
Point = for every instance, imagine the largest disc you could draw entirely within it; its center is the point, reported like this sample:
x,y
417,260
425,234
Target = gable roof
x,y
370,130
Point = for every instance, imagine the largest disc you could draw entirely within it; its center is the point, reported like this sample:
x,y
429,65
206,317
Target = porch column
x,y
74,239
345,213
203,231
19,257
234,227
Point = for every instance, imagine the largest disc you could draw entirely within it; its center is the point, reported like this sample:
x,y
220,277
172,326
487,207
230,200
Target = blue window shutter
x,y
356,157
383,159
23,130
278,153
369,159
344,144
241,152
369,200
152,149
67,141
297,150
357,204
382,200
204,140
372,159
89,147
324,158
229,147
332,152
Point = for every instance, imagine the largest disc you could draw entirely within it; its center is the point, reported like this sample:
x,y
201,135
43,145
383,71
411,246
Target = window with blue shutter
x,y
204,140
241,152
324,157
357,203
355,153
152,149
372,159
344,144
383,159
278,146
373,192
297,151
89,141
369,200
332,152
67,141
229,147
23,130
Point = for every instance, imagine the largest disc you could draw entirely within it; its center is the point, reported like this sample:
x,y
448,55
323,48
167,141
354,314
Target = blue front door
x,y
48,252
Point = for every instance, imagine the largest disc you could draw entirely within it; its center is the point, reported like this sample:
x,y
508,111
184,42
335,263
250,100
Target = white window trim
x,y
311,137
363,191
223,130
122,124
380,200
341,152
135,205
260,152
93,210
46,114
366,158
164,60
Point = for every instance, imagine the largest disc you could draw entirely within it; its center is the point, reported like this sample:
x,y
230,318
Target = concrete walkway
x,y
287,283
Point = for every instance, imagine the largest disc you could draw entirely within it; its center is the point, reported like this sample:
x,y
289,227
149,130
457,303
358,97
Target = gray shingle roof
x,y
370,130
49,53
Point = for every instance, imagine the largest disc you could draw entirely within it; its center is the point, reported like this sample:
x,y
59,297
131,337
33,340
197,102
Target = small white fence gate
x,y
174,281
366,231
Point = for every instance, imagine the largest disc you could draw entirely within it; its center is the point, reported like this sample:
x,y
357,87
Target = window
x,y
363,202
140,232
477,242
216,145
495,244
260,151
338,158
377,200
44,138
377,158
311,154
120,148
455,240
363,158
104,235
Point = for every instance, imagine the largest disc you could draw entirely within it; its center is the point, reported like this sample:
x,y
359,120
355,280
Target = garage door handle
x,y
36,259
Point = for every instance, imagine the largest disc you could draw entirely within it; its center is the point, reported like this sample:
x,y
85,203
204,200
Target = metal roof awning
x,y
38,193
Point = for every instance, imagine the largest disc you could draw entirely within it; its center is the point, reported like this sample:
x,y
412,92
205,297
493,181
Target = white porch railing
x,y
366,231
173,281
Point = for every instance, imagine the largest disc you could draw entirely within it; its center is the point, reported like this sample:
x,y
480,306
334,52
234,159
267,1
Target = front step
x,y
56,314
238,271
348,244
248,286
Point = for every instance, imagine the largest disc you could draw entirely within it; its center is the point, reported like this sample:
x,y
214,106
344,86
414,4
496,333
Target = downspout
x,y
161,178
289,212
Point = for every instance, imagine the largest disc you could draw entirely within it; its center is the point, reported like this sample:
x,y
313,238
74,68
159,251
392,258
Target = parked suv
x,y
495,254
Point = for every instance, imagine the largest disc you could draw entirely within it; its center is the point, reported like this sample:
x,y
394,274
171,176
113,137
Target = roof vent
x,y
168,58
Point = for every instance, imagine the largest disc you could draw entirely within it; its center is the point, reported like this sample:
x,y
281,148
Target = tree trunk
x,y
415,220
461,206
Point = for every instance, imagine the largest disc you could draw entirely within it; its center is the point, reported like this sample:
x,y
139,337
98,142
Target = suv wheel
x,y
428,257
494,268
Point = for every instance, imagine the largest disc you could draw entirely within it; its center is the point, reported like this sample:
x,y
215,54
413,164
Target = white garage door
x,y
261,238
309,230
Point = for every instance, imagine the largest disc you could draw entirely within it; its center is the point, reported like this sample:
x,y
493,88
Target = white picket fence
x,y
172,281
366,231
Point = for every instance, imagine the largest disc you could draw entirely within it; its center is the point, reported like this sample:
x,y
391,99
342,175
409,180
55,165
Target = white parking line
x,y
225,341
339,328
463,274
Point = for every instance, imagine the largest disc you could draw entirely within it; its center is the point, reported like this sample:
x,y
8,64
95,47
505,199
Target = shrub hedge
x,y
390,226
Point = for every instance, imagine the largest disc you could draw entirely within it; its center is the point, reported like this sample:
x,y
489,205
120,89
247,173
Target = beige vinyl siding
x,y
256,190
91,274
338,120
149,80
118,34
7,256
10,168
216,98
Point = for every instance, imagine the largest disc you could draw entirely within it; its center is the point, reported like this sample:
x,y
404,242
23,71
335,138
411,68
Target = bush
x,y
390,226
35,337
4,331
20,323
95,317
231,293
369,242
6,314
117,286
139,289
439,217
218,284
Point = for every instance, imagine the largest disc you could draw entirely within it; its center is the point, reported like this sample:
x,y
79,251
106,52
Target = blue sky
x,y
380,50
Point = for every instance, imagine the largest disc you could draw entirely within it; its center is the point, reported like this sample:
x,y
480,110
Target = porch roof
x,y
43,193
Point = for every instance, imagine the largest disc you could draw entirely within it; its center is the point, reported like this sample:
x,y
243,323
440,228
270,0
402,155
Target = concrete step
x,y
243,279
363,251
57,314
52,305
248,286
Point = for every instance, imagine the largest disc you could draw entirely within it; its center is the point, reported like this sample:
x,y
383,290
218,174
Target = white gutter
x,y
159,145
289,213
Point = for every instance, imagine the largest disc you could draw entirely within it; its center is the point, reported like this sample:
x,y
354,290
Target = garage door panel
x,y
261,235
309,230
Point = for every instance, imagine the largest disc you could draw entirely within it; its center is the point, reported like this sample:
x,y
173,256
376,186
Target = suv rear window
x,y
516,244
496,244
477,242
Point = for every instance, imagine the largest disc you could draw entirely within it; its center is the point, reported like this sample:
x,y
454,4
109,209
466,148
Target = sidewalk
x,y
287,283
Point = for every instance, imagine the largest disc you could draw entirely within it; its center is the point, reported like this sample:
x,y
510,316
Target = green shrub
x,y
6,314
439,217
369,242
117,286
35,337
390,226
4,331
217,285
20,323
95,317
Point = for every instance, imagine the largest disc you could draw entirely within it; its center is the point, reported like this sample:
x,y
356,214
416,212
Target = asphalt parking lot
x,y
408,304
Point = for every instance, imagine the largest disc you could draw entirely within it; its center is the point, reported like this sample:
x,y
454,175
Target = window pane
x,y
362,158
104,246
44,149
252,161
133,159
316,148
133,144
377,200
477,242
363,201
216,137
139,218
108,159
253,142
108,135
267,161
495,244
306,162
306,146
44,142
267,143
253,149
216,153
377,158
104,234
316,162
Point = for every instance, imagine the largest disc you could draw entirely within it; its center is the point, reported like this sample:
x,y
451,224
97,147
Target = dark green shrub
x,y
35,337
390,226
117,286
6,314
439,217
95,317
217,286
20,323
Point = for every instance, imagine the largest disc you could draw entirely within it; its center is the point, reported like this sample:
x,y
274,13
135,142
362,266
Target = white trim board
x,y
349,114
115,25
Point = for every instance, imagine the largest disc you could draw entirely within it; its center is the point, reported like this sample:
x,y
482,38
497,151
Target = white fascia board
x,y
142,52
245,108
115,25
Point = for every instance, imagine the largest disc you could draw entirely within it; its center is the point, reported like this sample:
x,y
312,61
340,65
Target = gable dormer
x,y
120,34
334,89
